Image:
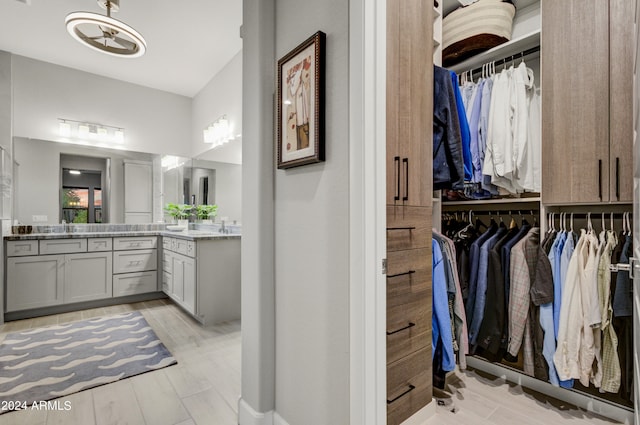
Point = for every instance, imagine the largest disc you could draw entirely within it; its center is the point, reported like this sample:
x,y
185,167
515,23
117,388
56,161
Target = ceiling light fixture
x,y
105,34
76,172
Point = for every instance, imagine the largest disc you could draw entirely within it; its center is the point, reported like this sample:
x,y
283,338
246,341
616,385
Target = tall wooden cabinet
x,y
409,195
586,103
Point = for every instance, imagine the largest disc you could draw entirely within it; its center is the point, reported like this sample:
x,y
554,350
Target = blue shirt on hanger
x,y
441,320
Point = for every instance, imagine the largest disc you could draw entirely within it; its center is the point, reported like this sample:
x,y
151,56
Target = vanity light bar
x,y
71,129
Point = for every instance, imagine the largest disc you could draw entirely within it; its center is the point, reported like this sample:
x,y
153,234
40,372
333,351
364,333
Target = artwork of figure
x,y
299,84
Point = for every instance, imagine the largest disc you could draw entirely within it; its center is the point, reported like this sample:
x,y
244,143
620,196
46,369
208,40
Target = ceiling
x,y
188,42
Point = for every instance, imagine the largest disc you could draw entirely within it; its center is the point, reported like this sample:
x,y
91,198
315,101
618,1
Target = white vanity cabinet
x,y
203,277
87,277
50,272
34,281
135,265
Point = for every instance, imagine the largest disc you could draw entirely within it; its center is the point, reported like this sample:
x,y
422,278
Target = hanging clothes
x,y
464,128
611,373
441,320
448,165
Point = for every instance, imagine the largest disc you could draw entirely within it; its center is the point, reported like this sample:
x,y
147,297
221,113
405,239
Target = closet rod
x,y
507,59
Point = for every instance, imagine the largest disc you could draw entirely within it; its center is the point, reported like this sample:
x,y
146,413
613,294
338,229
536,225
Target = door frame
x,y
367,209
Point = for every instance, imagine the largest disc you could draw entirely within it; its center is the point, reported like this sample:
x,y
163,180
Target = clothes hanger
x,y
604,226
571,224
512,224
589,224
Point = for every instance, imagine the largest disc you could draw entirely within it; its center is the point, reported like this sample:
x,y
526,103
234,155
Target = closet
x,y
582,55
409,95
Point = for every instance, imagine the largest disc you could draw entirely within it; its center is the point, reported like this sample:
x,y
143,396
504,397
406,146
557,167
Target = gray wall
x,y
312,238
38,191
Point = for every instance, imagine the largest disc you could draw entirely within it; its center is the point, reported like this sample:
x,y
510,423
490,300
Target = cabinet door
x,y
138,192
409,102
621,100
88,277
189,285
177,289
575,110
34,282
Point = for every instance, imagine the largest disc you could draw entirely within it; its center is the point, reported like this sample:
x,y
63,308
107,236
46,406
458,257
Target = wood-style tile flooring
x,y
202,389
475,398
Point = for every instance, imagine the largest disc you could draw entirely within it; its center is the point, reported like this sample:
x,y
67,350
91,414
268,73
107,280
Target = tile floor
x,y
204,387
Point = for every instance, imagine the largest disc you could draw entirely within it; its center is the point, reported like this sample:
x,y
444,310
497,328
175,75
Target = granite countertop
x,y
189,234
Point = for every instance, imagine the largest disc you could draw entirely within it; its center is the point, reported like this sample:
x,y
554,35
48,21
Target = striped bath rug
x,y
42,364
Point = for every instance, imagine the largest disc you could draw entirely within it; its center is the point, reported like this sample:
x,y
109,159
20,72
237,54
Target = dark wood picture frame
x,y
300,97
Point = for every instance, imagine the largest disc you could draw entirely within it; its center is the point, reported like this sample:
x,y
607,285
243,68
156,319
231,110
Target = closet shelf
x,y
509,48
498,201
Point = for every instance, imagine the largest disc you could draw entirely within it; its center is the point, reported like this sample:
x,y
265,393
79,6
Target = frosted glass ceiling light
x,y
102,132
83,130
105,34
64,129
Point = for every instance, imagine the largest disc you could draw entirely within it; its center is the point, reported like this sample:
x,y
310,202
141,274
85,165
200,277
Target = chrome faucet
x,y
222,227
64,226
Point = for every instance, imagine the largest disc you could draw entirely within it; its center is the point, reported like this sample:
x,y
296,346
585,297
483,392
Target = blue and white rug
x,y
42,364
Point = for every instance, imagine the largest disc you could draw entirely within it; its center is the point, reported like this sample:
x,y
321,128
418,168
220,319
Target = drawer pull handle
x,y
400,228
401,274
410,325
411,388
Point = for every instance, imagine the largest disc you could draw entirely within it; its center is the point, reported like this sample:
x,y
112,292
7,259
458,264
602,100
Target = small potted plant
x,y
180,212
206,213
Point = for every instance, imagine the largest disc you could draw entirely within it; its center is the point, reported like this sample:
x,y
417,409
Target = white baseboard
x,y
422,415
277,419
248,416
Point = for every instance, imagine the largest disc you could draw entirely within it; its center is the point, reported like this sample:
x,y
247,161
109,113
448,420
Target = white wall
x,y
154,121
221,96
5,100
39,178
312,238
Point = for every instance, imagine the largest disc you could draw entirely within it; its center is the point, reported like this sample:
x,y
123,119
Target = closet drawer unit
x,y
408,277
134,283
408,227
137,242
21,248
62,246
408,386
408,329
185,247
99,244
135,261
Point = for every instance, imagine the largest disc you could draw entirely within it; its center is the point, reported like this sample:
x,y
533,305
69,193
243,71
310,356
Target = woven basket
x,y
470,30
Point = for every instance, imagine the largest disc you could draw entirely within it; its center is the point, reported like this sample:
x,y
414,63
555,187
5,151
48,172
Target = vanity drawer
x,y
408,386
134,283
21,248
62,246
136,242
166,242
185,247
99,244
135,261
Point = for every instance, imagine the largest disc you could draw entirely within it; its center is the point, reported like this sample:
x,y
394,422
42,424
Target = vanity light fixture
x,y
105,34
76,172
218,133
86,131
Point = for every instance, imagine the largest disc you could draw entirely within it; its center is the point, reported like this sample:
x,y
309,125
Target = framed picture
x,y
301,104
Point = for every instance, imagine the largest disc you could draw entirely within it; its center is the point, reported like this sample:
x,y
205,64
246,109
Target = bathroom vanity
x,y
65,271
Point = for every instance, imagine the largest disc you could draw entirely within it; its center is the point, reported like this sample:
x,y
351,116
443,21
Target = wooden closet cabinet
x,y
409,102
587,136
409,196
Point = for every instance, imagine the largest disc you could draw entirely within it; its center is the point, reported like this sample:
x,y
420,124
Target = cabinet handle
x,y
600,179
397,161
401,274
410,325
401,228
406,179
411,388
617,178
